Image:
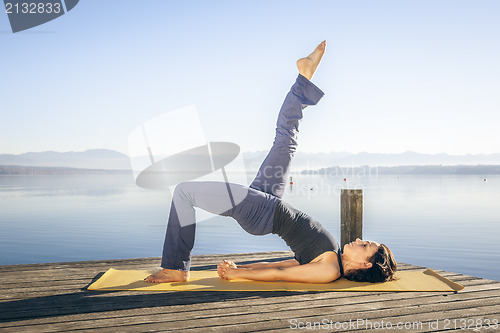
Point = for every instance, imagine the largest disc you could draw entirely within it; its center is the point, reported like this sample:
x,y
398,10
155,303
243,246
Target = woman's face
x,y
360,250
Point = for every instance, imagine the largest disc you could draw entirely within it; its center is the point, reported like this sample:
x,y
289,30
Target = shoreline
x,y
337,171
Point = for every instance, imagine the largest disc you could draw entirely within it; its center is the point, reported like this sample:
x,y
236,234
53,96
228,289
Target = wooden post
x,y
351,216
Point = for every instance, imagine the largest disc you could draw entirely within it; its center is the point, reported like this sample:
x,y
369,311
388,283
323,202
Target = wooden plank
x,y
279,319
288,302
207,307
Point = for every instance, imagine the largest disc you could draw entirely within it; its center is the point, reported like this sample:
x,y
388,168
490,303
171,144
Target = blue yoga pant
x,y
255,204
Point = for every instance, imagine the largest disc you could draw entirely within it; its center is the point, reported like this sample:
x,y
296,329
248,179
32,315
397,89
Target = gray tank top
x,y
305,236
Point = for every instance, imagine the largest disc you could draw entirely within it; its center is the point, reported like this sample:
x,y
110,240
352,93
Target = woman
x,y
259,211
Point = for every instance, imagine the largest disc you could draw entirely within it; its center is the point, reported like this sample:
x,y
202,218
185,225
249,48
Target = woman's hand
x,y
226,270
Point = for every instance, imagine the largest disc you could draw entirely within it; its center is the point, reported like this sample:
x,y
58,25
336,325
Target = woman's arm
x,y
317,272
278,264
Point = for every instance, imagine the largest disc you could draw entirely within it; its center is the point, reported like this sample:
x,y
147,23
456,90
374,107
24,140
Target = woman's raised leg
x,y
272,175
255,212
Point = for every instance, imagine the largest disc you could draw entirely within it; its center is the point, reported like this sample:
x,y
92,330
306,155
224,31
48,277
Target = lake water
x,y
443,222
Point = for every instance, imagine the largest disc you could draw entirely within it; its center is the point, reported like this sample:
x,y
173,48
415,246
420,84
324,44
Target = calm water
x,y
442,222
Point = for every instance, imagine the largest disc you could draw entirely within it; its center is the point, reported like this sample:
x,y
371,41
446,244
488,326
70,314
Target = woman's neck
x,y
347,263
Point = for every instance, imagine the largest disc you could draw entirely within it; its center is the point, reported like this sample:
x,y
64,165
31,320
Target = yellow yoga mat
x,y
427,280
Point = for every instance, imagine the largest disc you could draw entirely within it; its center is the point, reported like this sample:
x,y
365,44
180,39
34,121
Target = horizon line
x,y
264,151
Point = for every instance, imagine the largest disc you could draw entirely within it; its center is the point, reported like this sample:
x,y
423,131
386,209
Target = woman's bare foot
x,y
168,275
307,66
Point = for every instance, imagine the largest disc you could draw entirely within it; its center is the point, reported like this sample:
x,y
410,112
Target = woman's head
x,y
372,262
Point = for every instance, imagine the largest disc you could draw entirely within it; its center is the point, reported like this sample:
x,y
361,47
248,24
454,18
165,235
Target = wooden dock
x,y
53,298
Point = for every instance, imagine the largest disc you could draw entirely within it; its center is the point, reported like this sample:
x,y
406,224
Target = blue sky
x,y
398,75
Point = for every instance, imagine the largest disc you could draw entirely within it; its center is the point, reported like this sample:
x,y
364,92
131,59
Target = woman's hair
x,y
383,268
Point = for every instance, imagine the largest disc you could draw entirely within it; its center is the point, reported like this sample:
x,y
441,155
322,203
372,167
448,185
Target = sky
x,y
398,76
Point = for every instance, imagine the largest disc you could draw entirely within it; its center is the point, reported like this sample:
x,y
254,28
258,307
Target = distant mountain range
x,y
58,171
89,159
363,171
315,161
112,160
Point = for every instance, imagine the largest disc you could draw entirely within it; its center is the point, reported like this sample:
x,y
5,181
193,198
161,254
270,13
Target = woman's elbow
x,y
279,274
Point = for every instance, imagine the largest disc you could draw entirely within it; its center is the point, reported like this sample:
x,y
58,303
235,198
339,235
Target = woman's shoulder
x,y
327,256
330,261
